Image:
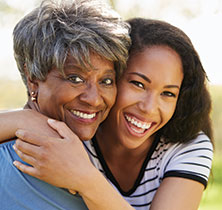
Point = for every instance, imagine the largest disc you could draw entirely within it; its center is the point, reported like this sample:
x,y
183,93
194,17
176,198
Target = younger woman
x,y
155,146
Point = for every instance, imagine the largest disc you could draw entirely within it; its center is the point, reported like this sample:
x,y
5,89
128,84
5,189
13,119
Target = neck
x,y
31,105
121,160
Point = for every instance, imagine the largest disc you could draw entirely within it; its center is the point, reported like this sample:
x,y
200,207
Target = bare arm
x,y
100,195
74,171
8,125
27,119
69,169
178,193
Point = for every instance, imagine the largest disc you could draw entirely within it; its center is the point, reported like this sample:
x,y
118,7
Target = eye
x,y
75,79
107,81
137,83
169,94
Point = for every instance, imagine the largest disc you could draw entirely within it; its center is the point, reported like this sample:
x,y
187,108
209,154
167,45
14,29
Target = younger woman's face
x,y
147,95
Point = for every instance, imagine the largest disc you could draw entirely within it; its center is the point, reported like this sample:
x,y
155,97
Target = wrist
x,y
89,180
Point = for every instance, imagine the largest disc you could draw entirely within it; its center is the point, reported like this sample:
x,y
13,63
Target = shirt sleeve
x,y
192,160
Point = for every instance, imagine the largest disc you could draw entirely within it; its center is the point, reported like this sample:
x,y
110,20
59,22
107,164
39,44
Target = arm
x,y
23,119
69,169
186,175
177,193
8,125
100,195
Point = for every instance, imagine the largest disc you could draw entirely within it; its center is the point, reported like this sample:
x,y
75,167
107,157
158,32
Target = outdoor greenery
x,y
13,95
212,195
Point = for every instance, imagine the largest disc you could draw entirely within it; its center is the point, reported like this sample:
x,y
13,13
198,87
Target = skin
x,y
94,185
82,98
147,93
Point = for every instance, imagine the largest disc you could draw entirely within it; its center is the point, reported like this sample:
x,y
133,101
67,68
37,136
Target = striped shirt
x,y
190,160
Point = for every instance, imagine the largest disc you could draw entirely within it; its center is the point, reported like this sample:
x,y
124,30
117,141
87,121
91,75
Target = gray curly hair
x,y
46,36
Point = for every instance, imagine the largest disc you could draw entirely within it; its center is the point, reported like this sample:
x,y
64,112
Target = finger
x,y
27,148
30,137
33,138
26,158
26,169
63,130
73,192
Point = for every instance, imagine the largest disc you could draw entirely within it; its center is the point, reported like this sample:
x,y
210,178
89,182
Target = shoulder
x,y
201,145
7,145
7,153
191,160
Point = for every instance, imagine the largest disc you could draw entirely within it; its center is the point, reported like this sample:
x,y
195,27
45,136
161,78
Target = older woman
x,y
69,56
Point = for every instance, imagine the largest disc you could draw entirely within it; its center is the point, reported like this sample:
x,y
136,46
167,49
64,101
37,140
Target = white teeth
x,y
83,115
142,125
140,131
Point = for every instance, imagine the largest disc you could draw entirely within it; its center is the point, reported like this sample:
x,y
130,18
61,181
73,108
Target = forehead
x,y
93,62
158,62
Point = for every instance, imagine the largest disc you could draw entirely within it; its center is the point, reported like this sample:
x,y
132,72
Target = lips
x,y
136,126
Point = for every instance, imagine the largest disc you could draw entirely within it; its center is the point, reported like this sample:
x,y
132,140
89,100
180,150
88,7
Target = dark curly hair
x,y
194,103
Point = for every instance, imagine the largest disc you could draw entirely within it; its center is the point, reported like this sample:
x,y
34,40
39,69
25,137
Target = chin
x,y
133,144
83,133
85,136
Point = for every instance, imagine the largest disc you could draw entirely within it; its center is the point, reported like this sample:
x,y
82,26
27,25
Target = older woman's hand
x,y
62,162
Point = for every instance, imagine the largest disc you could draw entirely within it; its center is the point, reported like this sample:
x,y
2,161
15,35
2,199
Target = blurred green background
x,y
192,16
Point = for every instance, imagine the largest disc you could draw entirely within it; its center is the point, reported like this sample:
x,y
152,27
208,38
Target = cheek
x,y
169,110
121,99
110,97
55,95
53,99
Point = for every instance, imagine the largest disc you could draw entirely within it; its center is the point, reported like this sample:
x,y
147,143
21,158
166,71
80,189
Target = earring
x,y
33,97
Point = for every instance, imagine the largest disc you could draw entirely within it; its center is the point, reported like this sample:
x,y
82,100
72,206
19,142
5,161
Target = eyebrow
x,y
149,80
172,86
73,65
141,75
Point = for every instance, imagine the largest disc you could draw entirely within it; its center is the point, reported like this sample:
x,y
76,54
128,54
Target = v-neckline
x,y
111,177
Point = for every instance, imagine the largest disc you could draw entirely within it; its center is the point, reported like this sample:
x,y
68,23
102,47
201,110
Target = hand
x,y
62,162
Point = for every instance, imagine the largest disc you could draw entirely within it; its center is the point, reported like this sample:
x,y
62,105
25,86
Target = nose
x,y
149,104
92,96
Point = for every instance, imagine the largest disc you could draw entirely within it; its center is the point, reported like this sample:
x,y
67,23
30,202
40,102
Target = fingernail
x,y
14,147
51,120
19,133
15,163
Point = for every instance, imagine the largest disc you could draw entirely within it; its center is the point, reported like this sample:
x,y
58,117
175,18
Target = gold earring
x,y
33,98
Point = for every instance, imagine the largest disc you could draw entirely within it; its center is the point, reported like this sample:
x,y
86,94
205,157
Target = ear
x,y
33,87
32,84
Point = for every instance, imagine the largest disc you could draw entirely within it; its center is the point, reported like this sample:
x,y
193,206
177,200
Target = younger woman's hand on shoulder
x,y
62,162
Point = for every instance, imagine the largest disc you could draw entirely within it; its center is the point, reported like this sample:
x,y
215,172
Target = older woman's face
x,y
83,98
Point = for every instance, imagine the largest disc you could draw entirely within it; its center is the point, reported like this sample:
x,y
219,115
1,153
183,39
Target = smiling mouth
x,y
139,127
83,115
